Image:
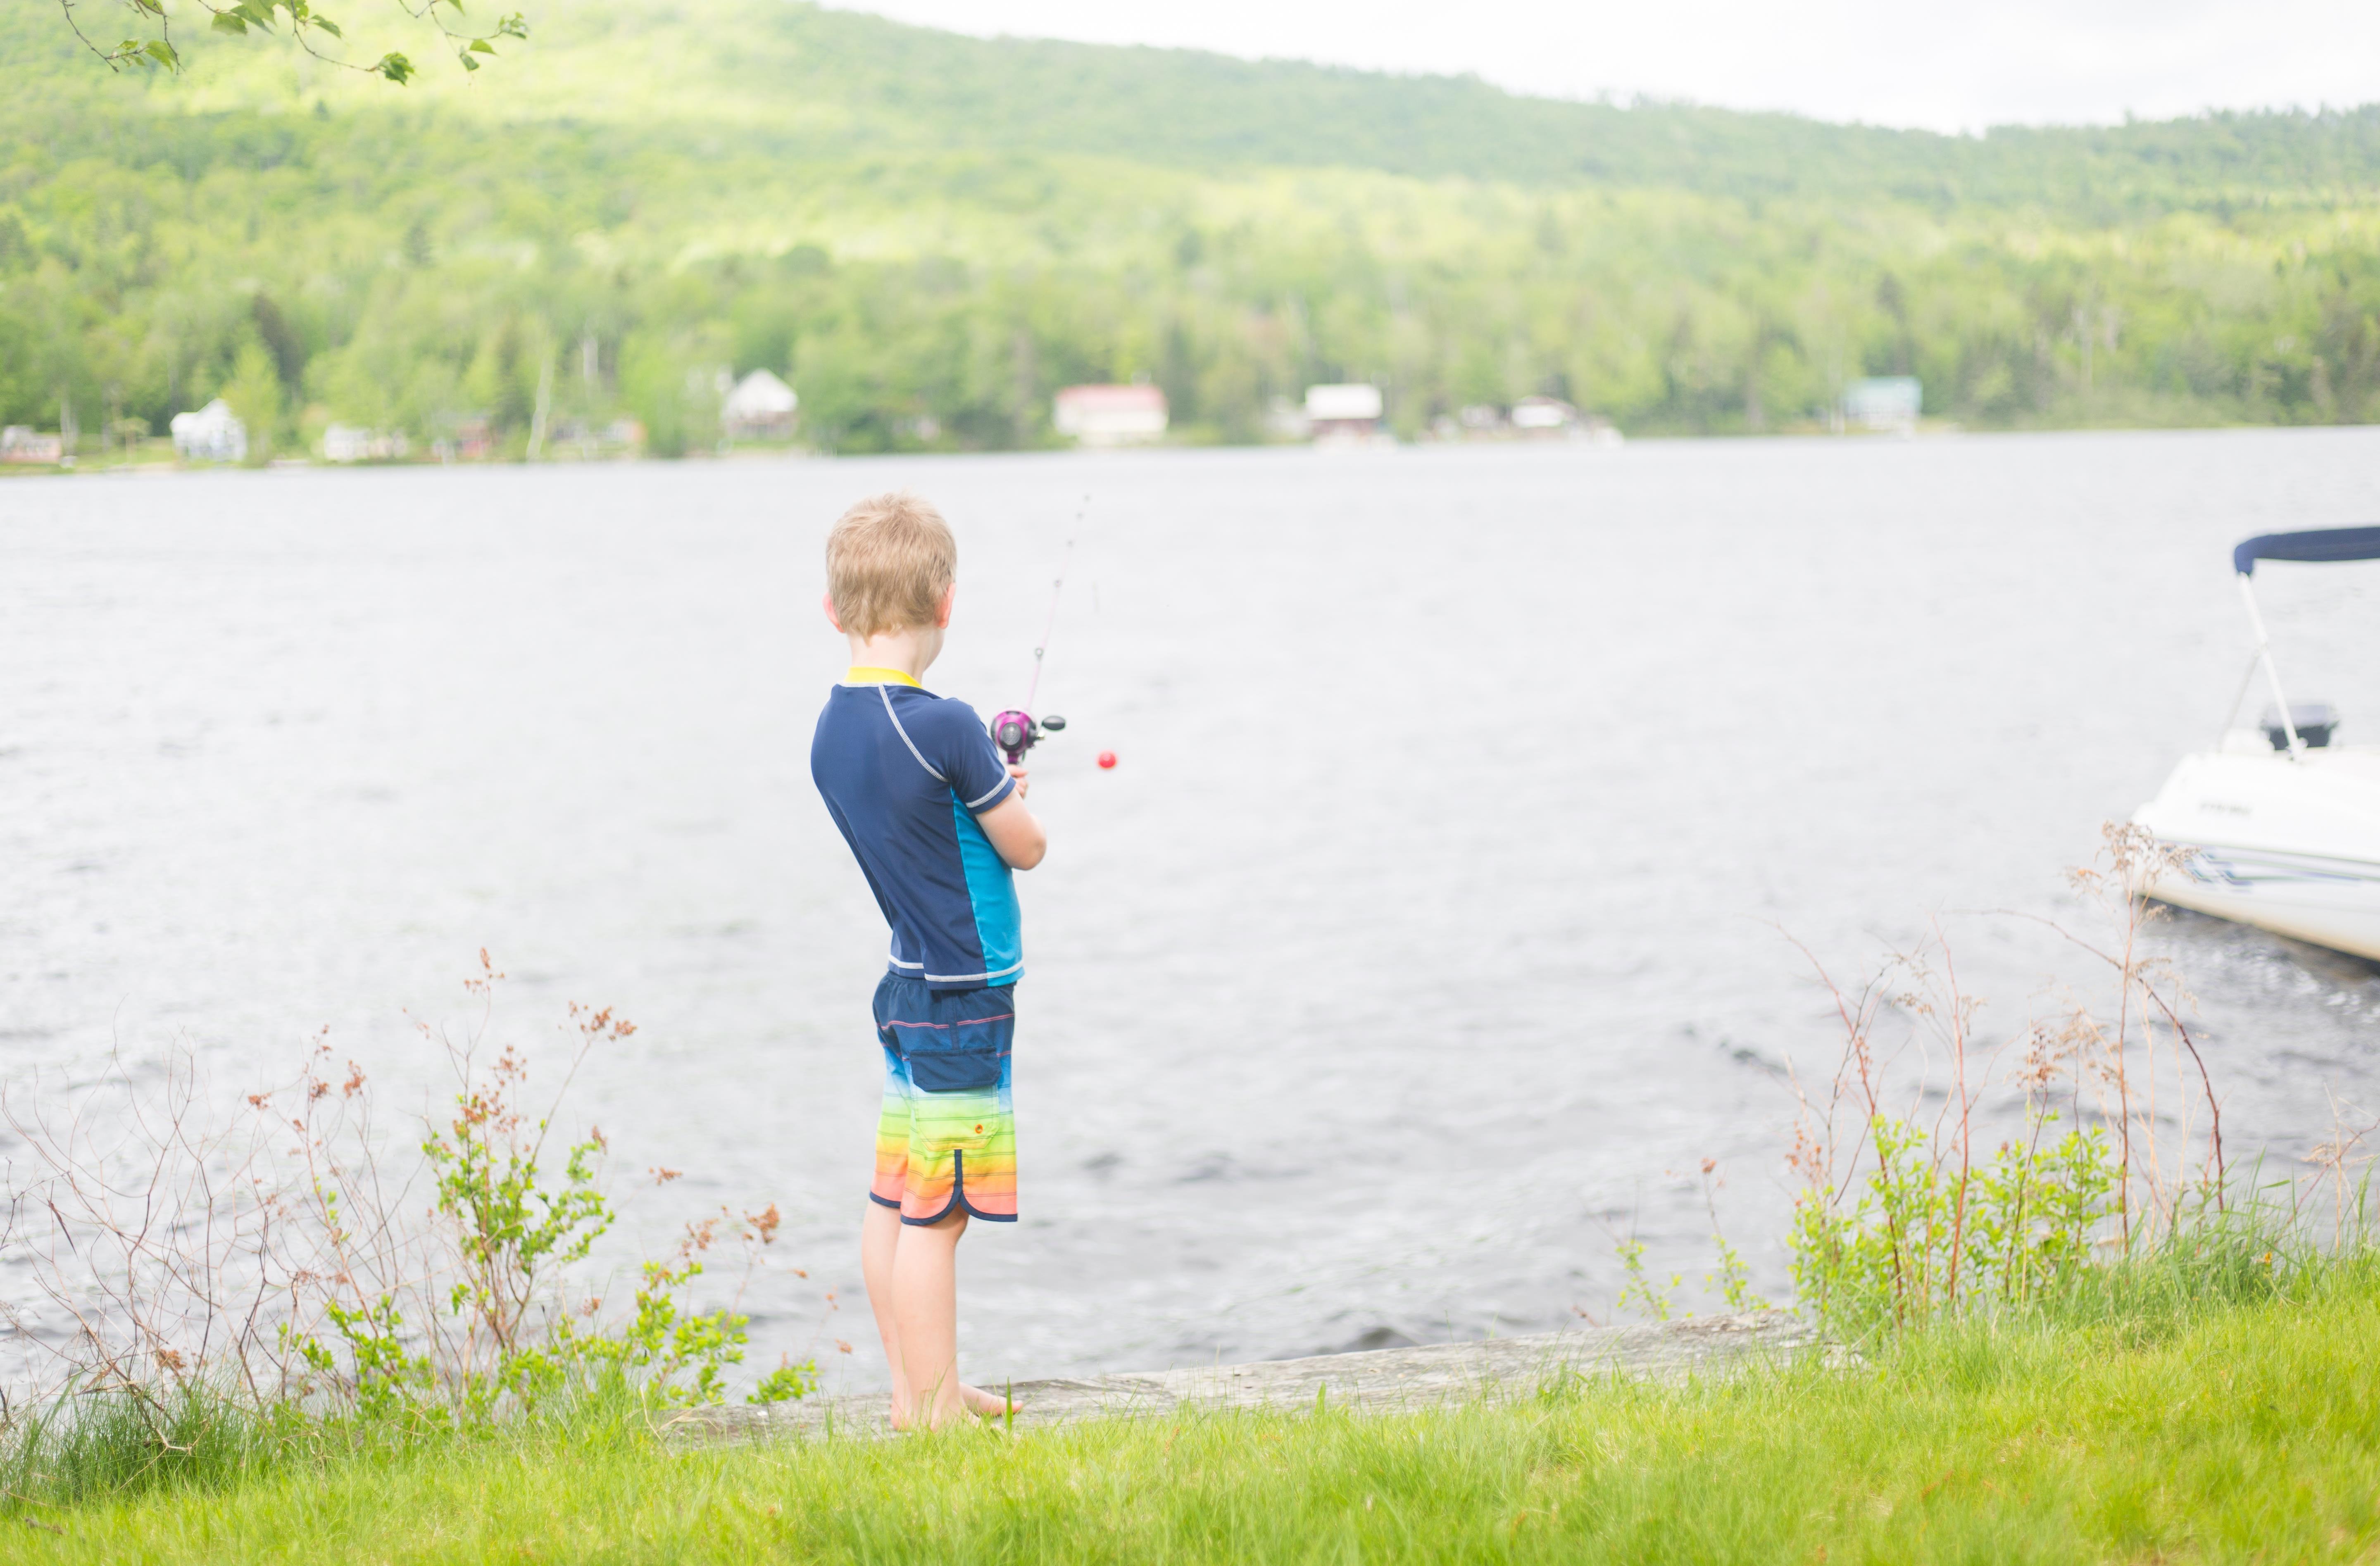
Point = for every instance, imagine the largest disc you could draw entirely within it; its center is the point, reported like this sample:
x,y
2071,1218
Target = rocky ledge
x,y
1379,1381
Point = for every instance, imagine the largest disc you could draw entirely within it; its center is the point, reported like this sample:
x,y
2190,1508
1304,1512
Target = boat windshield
x,y
2320,545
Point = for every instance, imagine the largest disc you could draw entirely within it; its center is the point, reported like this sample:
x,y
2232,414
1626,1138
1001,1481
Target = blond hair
x,y
889,561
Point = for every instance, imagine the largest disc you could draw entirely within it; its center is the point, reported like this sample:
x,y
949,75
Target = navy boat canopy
x,y
2320,545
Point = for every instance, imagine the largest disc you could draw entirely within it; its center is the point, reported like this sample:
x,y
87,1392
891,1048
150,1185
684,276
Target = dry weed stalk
x,y
155,1243
2334,1157
2150,997
1891,1202
284,1248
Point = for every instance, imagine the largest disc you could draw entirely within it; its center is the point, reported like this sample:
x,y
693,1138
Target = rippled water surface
x,y
1432,929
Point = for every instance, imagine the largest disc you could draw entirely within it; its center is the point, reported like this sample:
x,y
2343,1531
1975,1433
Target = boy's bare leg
x,y
926,1309
879,1238
880,1241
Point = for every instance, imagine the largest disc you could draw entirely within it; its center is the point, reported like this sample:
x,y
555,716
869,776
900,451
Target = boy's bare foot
x,y
987,1406
975,1400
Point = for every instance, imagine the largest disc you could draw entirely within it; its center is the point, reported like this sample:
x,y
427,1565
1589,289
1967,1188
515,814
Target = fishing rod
x,y
1016,731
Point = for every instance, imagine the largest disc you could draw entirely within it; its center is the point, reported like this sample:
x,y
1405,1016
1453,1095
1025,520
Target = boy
x,y
937,822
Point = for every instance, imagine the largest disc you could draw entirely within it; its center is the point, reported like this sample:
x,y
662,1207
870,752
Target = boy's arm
x,y
964,756
1015,833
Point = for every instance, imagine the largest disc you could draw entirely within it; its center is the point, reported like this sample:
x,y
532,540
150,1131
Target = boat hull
x,y
2330,903
2291,847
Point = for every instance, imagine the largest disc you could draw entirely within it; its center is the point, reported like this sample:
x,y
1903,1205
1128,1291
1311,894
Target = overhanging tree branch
x,y
152,47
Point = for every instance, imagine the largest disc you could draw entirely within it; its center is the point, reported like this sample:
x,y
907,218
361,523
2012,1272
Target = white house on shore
x,y
347,442
1531,418
1347,411
1543,416
1552,419
22,442
760,408
1887,404
1110,416
1286,420
213,433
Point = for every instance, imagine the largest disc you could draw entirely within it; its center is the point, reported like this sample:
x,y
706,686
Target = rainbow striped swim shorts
x,y
948,1134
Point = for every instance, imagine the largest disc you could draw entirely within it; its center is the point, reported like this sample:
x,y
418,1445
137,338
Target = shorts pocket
x,y
965,1054
954,1071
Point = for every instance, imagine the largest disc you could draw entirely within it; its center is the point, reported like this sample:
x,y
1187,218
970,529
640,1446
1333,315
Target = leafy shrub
x,y
1923,1235
1899,1220
301,1286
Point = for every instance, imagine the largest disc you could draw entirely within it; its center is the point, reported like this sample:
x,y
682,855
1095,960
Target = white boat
x,y
2282,824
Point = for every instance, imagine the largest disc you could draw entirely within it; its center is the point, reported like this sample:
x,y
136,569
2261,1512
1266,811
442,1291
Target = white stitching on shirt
x,y
995,788
963,978
886,696
897,729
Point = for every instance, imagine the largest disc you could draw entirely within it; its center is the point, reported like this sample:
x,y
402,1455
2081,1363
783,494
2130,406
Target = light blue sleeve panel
x,y
991,889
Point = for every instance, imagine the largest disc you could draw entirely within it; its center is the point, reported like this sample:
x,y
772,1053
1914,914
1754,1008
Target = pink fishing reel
x,y
1016,732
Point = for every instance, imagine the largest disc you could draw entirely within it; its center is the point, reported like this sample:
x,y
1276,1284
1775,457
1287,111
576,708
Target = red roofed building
x,y
1110,416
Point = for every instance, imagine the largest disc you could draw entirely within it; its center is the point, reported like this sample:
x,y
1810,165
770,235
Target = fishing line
x,y
1018,731
1049,626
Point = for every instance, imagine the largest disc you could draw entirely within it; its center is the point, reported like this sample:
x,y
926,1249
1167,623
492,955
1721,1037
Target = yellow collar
x,y
863,675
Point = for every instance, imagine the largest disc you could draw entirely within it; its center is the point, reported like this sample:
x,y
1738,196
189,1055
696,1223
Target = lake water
x,y
1431,929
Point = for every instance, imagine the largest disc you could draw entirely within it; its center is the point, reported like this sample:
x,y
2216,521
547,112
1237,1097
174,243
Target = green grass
x,y
2139,1424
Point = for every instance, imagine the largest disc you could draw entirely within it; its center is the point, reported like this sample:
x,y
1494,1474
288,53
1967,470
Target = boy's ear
x,y
943,610
827,603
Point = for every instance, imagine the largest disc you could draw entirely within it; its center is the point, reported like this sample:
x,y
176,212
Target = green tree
x,y
254,394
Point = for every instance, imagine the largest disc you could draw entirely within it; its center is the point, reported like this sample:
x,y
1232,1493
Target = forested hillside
x,y
928,234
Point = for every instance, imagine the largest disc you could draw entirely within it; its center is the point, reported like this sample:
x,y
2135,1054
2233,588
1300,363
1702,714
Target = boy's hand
x,y
1023,788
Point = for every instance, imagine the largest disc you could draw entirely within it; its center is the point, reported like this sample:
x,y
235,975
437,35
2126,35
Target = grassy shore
x,y
2184,1428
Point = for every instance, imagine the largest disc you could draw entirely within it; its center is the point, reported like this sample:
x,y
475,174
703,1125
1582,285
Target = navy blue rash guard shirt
x,y
905,774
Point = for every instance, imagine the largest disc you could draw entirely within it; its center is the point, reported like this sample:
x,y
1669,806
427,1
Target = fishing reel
x,y
1016,732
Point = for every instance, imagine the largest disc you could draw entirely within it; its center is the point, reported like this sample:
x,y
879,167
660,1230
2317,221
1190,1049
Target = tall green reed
x,y
2114,1186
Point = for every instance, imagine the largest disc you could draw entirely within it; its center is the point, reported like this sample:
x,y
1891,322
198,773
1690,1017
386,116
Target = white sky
x,y
1986,62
